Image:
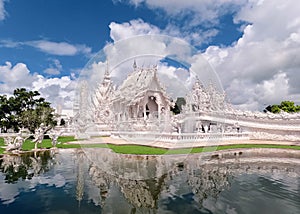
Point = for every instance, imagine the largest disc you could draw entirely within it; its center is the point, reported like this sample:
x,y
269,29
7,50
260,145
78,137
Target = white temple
x,y
140,103
140,108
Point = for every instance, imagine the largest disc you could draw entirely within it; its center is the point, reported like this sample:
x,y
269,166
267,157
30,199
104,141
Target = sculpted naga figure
x,y
17,143
54,136
39,135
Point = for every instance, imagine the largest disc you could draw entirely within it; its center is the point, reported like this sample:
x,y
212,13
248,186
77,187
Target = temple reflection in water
x,y
148,184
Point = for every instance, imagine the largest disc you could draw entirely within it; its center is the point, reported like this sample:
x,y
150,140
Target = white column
x,y
145,116
159,111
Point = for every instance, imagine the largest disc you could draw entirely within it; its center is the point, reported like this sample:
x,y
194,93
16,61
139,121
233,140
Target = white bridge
x,y
248,122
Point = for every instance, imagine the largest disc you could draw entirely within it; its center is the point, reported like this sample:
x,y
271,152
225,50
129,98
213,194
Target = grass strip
x,y
147,150
1,144
47,143
137,149
143,150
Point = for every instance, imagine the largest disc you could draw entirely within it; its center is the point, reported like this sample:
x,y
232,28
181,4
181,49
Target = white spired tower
x,y
101,100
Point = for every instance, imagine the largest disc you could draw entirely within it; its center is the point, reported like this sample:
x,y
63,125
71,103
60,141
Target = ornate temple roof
x,y
138,83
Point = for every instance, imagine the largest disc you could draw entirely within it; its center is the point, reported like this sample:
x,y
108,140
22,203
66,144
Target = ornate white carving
x,y
141,103
205,99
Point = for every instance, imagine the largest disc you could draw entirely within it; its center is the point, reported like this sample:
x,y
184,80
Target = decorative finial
x,y
107,69
155,69
134,65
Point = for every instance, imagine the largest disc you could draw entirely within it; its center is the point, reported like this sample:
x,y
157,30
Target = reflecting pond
x,y
100,181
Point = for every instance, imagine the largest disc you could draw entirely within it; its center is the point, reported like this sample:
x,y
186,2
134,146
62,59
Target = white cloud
x,y
262,67
2,10
14,77
52,71
130,29
119,31
268,49
7,43
59,48
152,45
278,85
10,192
55,67
50,47
143,42
55,90
197,12
174,79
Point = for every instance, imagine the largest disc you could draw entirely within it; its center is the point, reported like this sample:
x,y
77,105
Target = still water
x,y
100,181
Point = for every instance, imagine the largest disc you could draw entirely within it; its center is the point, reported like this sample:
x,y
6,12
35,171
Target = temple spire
x,y
134,65
106,69
106,79
155,70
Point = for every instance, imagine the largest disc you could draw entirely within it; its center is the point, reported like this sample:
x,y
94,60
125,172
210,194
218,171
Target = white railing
x,y
251,118
180,137
271,124
5,135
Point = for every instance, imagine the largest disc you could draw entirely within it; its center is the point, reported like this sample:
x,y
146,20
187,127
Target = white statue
x,y
16,144
39,135
54,137
8,140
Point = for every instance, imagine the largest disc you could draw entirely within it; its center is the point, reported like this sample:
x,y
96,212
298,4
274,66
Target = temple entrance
x,y
151,107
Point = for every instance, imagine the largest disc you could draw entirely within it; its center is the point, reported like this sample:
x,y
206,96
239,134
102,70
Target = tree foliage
x,y
25,109
178,105
287,106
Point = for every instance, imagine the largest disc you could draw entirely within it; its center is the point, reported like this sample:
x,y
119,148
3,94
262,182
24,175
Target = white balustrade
x,y
180,137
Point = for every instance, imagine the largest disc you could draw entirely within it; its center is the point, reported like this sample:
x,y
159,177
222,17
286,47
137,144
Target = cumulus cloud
x,y
153,49
204,11
262,67
131,28
55,90
14,77
154,41
195,21
119,31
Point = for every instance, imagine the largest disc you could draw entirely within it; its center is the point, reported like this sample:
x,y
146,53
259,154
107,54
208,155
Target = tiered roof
x,y
138,83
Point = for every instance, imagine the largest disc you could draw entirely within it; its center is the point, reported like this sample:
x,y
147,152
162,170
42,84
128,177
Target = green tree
x,y
275,109
287,106
62,122
7,118
178,105
25,109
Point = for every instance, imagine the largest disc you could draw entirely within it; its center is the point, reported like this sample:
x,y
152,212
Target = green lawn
x,y
143,150
47,143
29,145
1,144
147,150
137,149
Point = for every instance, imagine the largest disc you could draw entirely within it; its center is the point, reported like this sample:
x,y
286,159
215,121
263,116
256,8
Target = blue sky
x,y
82,23
252,44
